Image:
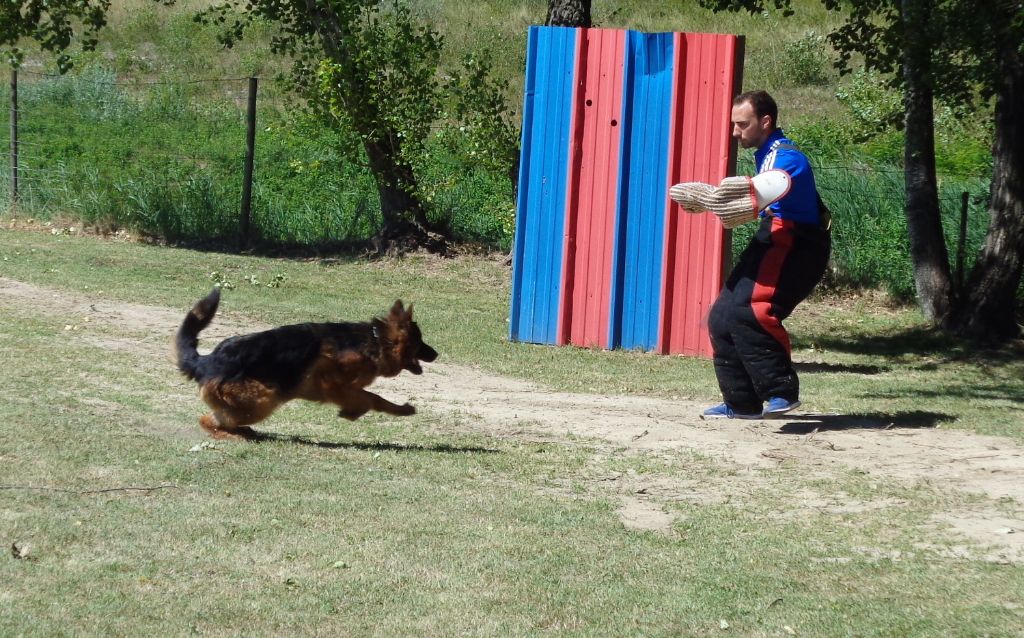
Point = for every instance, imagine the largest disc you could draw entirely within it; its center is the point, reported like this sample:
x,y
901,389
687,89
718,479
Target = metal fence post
x,y
962,242
250,150
14,141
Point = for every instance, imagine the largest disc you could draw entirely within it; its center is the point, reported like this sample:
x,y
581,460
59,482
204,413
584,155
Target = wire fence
x,y
61,125
169,158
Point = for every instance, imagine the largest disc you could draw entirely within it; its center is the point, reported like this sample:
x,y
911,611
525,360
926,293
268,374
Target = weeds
x,y
456,522
164,159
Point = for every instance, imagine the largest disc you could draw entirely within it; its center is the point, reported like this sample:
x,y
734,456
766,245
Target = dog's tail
x,y
188,334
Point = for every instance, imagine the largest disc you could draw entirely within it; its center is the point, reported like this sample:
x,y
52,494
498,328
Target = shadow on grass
x,y
924,341
849,368
912,420
333,252
268,437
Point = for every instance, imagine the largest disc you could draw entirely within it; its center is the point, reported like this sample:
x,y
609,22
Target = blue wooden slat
x,y
543,170
643,175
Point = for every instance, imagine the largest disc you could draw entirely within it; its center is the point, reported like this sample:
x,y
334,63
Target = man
x,y
778,269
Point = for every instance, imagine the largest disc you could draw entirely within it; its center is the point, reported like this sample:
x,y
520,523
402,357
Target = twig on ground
x,y
162,486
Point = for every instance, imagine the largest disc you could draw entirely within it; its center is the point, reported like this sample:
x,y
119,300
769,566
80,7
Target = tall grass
x,y
132,139
165,160
869,226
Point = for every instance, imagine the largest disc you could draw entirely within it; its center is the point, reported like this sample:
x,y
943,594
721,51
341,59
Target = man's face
x,y
747,128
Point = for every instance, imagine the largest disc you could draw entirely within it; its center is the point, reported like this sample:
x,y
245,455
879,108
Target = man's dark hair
x,y
762,103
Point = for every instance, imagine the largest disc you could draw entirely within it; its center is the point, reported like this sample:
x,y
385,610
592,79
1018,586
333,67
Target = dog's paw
x,y
406,410
238,433
350,415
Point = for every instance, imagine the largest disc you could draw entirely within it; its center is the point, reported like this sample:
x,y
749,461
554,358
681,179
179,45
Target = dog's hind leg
x,y
235,406
224,431
357,402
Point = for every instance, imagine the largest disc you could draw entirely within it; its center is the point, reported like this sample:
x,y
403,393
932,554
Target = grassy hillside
x,y
147,37
146,134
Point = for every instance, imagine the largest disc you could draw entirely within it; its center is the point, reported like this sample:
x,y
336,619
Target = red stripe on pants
x,y
767,281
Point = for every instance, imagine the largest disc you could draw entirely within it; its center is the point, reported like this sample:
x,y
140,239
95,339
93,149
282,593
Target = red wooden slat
x,y
695,245
592,196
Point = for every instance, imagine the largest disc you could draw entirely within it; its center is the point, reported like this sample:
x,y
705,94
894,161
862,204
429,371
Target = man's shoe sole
x,y
746,417
776,413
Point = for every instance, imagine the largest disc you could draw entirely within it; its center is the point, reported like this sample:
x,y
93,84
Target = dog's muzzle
x,y
426,353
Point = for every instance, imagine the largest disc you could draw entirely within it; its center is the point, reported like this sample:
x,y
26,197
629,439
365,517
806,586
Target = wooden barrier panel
x,y
611,119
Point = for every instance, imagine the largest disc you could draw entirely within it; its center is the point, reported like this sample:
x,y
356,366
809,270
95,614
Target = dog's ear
x,y
399,313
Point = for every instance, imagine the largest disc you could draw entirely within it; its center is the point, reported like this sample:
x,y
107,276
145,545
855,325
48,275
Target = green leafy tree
x,y
568,13
970,54
476,100
366,67
52,24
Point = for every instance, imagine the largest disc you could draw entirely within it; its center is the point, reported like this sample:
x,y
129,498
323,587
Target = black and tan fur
x,y
245,378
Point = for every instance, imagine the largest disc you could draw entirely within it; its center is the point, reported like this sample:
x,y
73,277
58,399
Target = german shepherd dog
x,y
245,378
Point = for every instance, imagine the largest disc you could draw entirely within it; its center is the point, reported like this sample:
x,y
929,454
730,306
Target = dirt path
x,y
503,407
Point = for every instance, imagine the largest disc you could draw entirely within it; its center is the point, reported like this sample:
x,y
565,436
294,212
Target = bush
x,y
471,200
806,60
869,228
875,106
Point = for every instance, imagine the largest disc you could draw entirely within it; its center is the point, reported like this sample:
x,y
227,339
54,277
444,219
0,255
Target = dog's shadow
x,y
913,420
378,446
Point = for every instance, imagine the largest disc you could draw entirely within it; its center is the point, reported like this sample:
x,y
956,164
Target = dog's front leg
x,y
356,403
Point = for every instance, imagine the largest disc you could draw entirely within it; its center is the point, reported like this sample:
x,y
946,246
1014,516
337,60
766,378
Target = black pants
x,y
776,271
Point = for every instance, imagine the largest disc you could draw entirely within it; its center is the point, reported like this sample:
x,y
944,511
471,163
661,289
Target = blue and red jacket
x,y
800,204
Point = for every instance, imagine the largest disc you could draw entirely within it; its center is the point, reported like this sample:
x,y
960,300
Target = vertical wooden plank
x,y
14,141
701,151
543,169
591,202
250,153
642,178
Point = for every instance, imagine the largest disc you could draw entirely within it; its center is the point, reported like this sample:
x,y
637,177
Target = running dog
x,y
245,378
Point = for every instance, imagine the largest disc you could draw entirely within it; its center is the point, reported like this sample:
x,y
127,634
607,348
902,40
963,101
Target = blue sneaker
x,y
723,411
777,406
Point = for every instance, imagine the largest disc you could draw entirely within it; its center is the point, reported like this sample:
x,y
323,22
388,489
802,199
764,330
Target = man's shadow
x,y
911,420
377,446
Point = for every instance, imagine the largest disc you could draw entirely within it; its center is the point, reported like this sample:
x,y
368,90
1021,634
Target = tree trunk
x,y
405,220
394,181
924,226
988,310
568,13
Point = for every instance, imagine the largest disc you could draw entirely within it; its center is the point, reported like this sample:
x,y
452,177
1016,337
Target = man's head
x,y
753,118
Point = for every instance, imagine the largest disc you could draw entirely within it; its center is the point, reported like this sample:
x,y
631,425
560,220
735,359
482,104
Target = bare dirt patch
x,y
826,444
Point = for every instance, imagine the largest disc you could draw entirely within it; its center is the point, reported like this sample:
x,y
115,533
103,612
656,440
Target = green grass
x,y
83,160
148,135
432,526
857,346
165,160
428,526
